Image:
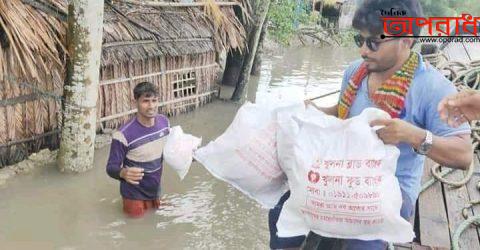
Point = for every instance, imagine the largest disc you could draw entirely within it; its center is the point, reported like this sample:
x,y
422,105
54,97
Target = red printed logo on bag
x,y
313,177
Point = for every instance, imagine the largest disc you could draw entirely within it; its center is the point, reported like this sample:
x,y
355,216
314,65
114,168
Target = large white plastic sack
x,y
245,155
341,177
178,150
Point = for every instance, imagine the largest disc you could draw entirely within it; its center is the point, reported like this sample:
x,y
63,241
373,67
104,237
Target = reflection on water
x,y
50,210
305,73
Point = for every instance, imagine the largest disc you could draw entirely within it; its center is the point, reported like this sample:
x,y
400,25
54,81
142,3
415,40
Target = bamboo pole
x,y
171,4
29,139
257,62
145,42
241,88
133,111
84,43
324,95
133,78
20,99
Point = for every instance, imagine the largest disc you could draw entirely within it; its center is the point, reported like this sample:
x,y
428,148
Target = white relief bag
x,y
178,150
341,177
245,155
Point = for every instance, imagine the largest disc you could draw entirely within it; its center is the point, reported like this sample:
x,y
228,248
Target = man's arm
x,y
452,151
451,147
115,169
333,110
118,152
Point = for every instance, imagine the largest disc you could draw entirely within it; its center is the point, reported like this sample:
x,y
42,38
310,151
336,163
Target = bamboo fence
x,y
167,45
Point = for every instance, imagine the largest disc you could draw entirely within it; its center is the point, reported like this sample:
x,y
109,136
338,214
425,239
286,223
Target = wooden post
x,y
84,44
242,85
233,68
257,63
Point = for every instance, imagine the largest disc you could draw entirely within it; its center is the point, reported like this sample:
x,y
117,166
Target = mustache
x,y
367,58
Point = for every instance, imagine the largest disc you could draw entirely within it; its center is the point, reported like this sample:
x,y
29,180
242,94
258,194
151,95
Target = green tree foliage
x,y
285,16
450,7
436,8
466,6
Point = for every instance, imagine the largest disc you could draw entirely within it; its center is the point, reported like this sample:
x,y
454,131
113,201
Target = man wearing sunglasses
x,y
392,77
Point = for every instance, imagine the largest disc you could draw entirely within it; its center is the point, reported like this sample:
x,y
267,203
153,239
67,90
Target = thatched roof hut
x,y
347,12
175,46
338,12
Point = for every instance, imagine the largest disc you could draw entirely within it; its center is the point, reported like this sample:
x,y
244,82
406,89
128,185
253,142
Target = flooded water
x,y
50,210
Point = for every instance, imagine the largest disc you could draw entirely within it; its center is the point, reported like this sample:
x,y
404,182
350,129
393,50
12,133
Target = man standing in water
x,y
392,77
136,153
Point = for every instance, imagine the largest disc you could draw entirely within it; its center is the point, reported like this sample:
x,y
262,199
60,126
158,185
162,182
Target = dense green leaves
x,y
286,16
450,7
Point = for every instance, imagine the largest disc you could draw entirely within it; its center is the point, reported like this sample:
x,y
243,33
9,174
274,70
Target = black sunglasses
x,y
372,43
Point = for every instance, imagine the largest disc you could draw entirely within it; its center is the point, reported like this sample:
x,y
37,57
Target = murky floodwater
x,y
50,210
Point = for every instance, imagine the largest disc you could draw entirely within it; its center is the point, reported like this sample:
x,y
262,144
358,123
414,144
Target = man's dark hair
x,y
368,16
147,89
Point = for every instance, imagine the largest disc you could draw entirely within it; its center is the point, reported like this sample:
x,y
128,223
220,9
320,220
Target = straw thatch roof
x,y
135,32
32,34
32,41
